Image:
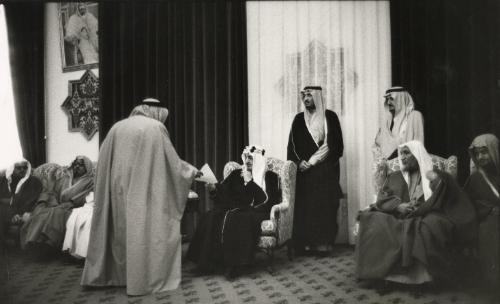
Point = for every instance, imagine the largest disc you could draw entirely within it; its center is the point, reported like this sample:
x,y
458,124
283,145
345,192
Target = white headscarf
x,y
10,170
424,162
403,106
259,164
151,108
315,122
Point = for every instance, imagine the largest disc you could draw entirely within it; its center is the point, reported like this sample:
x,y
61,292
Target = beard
x,y
489,167
311,107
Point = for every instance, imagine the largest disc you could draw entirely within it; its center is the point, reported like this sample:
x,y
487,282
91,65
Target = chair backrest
x,y
51,175
445,164
48,173
286,171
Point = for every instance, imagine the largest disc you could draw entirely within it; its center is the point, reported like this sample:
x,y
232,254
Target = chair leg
x,y
290,250
270,266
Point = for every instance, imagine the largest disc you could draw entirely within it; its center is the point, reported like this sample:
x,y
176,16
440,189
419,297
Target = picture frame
x,y
78,31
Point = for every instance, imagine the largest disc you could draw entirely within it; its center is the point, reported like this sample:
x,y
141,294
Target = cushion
x,y
267,242
268,227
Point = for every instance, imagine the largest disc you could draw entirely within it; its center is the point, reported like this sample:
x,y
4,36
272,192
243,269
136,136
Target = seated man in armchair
x,y
19,191
483,188
47,223
227,235
420,217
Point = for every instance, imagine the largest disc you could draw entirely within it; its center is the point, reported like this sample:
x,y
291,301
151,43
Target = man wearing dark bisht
x,y
315,145
141,190
420,219
483,188
19,191
227,235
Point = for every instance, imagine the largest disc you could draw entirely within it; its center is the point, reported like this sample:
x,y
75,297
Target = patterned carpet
x,y
306,280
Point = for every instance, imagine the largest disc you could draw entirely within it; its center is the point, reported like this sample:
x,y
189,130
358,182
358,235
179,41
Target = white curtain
x,y
343,46
9,137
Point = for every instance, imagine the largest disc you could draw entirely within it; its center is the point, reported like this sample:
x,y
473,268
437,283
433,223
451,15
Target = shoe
x,y
383,287
323,253
231,273
367,284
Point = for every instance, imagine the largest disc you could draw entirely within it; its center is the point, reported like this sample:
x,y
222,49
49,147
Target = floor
x,y
305,280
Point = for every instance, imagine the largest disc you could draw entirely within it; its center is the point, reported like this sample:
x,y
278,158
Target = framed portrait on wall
x,y
78,28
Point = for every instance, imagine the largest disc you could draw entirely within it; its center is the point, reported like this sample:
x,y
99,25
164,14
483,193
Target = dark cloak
x,y
227,235
318,190
431,234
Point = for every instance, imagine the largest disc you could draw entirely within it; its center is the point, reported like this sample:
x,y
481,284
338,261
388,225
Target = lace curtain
x,y
343,46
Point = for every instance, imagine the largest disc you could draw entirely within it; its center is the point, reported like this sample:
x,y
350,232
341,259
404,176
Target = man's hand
x,y
304,165
403,208
210,187
75,40
274,209
26,217
16,219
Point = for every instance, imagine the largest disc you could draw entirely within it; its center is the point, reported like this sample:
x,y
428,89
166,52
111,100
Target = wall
x,y
62,145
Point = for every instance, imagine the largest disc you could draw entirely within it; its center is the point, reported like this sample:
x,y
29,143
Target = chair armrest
x,y
277,209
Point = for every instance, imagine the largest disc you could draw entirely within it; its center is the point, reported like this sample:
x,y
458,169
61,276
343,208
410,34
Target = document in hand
x,y
208,175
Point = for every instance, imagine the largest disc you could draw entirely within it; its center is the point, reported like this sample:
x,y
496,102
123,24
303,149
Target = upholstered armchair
x,y
277,232
50,173
51,176
383,168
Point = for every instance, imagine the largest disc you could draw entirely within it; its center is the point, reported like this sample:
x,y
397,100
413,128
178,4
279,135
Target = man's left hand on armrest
x,y
275,212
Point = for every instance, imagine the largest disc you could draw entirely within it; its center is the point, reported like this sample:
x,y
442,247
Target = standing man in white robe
x,y
141,190
403,123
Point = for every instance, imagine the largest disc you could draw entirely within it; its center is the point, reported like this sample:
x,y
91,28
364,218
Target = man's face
x,y
389,101
20,170
79,167
249,162
408,160
82,9
482,156
308,99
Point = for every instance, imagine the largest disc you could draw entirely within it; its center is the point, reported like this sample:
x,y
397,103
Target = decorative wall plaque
x,y
82,105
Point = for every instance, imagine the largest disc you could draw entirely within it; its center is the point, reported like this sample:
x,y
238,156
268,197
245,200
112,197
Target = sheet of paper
x,y
208,175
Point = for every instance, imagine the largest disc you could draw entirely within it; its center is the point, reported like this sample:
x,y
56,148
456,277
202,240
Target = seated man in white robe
x,y
76,240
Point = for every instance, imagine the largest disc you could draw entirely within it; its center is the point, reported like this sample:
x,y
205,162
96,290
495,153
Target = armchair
x,y
277,232
382,170
49,174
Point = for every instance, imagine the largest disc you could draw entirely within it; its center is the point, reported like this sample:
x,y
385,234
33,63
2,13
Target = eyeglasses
x,y
78,163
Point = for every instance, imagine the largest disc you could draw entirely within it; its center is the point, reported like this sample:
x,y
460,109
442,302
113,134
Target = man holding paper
x,y
141,189
226,236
